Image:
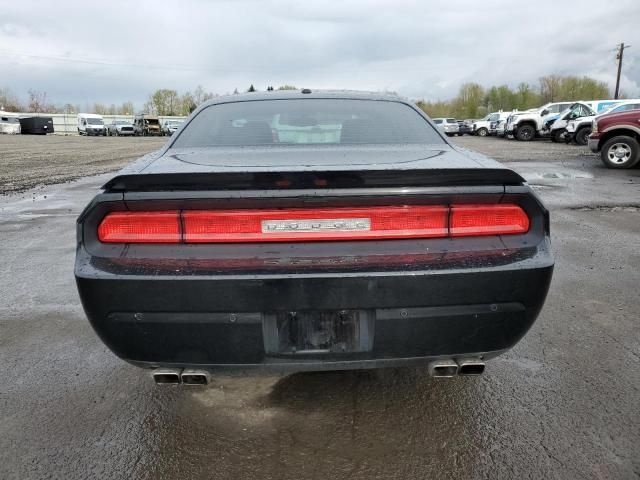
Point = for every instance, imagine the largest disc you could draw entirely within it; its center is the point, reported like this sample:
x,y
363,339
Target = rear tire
x,y
482,132
620,152
582,136
525,133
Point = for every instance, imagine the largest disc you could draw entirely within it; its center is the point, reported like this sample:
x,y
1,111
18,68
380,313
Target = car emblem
x,y
316,225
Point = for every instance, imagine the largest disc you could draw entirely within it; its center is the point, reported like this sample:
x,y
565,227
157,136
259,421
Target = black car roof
x,y
298,94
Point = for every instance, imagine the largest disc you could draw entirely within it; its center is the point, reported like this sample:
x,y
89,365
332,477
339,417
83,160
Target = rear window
x,y
307,122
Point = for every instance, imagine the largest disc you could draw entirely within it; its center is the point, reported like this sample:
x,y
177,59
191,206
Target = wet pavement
x,y
564,403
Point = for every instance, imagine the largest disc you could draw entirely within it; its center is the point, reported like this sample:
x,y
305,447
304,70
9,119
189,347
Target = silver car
x,y
169,127
448,125
120,127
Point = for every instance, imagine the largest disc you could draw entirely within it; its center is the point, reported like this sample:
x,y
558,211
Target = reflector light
x,y
140,227
475,220
313,224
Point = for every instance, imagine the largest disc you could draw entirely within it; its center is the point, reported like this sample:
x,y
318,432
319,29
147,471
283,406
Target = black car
x,y
464,128
307,231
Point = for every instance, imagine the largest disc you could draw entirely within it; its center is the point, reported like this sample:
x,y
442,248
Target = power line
x,y
92,61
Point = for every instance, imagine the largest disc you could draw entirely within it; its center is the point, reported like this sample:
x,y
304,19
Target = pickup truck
x,y
617,137
525,126
578,130
555,128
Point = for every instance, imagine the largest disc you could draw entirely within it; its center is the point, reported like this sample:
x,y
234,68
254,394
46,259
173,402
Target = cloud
x,y
110,52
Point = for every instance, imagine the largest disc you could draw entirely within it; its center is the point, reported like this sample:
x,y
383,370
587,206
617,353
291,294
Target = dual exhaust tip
x,y
451,368
177,376
438,368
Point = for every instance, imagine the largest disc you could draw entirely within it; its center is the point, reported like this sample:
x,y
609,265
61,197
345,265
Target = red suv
x,y
617,137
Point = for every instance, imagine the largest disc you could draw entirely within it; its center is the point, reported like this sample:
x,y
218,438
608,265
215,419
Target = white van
x,y
91,124
9,123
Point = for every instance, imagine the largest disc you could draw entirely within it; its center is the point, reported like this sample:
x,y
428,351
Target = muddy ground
x,y
563,404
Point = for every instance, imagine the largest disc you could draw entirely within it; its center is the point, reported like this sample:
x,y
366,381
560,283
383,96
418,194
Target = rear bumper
x,y
219,321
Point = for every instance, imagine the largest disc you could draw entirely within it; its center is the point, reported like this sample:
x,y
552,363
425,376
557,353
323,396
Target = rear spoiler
x,y
312,179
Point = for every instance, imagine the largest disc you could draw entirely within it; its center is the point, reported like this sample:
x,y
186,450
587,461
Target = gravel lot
x,y
563,404
27,161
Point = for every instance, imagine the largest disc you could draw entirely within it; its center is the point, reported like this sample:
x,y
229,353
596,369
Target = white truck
x,y
579,129
526,126
555,126
487,125
91,124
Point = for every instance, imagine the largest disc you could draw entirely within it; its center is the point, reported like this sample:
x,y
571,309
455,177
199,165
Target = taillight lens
x,y
476,220
317,224
140,227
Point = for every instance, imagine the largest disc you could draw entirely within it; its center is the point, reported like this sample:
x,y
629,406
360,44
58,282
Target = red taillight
x,y
312,224
292,225
476,220
140,227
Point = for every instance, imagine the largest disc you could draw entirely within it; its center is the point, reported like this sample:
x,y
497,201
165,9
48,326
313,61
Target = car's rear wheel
x,y
482,132
582,136
525,133
620,152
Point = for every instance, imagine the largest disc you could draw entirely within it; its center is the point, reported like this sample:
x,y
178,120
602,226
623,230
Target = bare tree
x,y
37,101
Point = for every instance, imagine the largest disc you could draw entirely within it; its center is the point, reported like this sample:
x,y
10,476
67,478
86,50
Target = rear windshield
x,y
307,122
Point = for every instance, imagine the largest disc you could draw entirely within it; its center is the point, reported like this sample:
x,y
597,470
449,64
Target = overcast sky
x,y
112,51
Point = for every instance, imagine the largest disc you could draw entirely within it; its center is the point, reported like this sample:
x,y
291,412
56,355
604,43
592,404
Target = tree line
x,y
475,101
164,102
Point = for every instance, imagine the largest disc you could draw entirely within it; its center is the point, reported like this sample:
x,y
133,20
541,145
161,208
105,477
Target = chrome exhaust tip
x,y
195,377
470,367
167,376
443,368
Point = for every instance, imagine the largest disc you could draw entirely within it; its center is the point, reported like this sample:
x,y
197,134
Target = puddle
x,y
557,175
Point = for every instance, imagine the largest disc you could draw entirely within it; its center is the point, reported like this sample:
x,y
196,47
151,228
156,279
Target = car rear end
x,y
315,268
125,129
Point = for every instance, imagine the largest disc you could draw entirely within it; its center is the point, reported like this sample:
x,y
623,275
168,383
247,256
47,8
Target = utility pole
x,y
621,48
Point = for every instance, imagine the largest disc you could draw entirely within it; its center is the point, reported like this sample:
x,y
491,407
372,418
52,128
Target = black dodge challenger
x,y
308,231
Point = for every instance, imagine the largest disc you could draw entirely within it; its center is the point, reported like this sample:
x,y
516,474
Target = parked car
x,y
464,127
488,125
9,123
169,127
276,252
555,127
120,128
36,125
145,125
616,136
448,125
526,126
91,124
578,130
